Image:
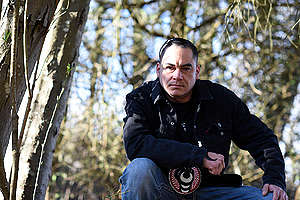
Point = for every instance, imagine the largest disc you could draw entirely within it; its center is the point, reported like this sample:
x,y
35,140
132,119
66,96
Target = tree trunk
x,y
57,64
297,194
39,16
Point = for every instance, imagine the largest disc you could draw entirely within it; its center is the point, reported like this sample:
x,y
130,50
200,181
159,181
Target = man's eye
x,y
171,68
186,69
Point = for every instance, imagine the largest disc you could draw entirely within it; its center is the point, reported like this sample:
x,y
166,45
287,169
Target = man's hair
x,y
179,42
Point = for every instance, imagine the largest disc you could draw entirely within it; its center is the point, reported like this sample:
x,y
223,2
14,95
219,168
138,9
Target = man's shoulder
x,y
212,85
145,89
216,90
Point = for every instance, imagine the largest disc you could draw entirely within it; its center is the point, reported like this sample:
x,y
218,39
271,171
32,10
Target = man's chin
x,y
176,95
180,98
179,95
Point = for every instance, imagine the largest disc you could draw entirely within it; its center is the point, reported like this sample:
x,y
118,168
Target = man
x,y
180,122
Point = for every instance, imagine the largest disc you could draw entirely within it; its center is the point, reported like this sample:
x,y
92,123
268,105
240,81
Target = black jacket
x,y
219,117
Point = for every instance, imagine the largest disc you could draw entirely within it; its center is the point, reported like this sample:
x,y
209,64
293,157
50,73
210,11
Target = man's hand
x,y
278,193
216,165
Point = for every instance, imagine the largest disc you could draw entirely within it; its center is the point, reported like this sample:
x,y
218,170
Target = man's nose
x,y
177,74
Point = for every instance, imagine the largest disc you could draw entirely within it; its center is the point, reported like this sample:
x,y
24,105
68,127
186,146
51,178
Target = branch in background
x,y
142,3
121,59
147,66
140,25
138,75
208,21
109,4
122,65
13,93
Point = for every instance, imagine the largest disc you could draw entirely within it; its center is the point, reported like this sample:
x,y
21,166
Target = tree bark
x,y
57,64
297,194
39,16
3,181
1,8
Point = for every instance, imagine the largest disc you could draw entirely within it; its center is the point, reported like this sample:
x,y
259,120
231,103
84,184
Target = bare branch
x,y
151,62
140,25
30,90
109,4
208,21
13,93
28,107
142,3
25,51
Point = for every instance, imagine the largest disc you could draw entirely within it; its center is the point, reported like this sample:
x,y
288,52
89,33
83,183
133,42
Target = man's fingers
x,y
220,163
275,195
282,195
216,164
278,193
221,167
223,162
212,155
265,189
216,167
212,171
286,196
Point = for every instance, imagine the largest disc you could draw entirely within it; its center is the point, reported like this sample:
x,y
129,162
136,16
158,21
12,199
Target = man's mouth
x,y
176,86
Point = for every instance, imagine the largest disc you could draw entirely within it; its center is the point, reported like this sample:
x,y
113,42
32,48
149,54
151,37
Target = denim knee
x,y
142,179
139,171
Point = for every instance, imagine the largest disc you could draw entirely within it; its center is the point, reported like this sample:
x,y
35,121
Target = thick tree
x,y
45,36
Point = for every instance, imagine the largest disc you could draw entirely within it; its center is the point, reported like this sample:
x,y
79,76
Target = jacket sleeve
x,y
140,139
251,134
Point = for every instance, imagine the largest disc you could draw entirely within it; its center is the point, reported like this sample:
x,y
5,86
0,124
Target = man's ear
x,y
157,68
198,67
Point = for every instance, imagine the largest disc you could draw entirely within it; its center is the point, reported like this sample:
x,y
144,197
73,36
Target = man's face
x,y
177,73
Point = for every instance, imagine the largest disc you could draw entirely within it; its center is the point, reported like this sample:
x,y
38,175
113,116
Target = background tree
x,y
43,37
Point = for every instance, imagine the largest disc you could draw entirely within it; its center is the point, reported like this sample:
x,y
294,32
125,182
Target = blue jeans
x,y
144,180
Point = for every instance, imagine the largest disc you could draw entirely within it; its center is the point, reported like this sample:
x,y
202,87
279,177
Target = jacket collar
x,y
200,91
